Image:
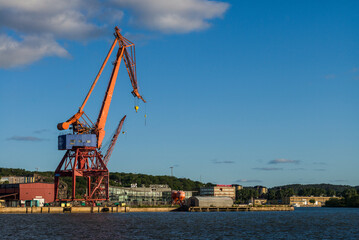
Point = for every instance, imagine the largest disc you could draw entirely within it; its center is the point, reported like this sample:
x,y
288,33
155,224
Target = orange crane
x,y
129,59
83,157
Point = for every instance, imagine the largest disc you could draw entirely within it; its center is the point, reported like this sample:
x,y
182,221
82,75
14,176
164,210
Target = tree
x,y
352,201
348,193
245,194
331,192
335,202
272,194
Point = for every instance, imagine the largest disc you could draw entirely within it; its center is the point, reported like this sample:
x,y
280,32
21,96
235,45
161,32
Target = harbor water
x,y
303,223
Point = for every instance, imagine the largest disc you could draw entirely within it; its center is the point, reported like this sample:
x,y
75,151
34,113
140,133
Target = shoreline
x,y
50,210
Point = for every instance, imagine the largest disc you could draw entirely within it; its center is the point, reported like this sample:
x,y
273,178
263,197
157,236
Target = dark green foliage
x,y
316,190
15,172
349,201
352,201
274,193
245,194
40,176
126,179
335,202
116,179
349,193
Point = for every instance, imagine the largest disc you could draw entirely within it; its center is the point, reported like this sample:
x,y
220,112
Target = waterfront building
x,y
153,195
306,201
17,179
204,201
16,194
219,191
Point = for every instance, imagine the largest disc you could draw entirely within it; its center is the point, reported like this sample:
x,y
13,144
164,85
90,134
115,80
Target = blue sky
x,y
247,92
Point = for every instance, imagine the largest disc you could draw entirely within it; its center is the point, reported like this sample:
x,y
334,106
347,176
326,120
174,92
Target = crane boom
x,y
113,141
77,116
102,117
126,52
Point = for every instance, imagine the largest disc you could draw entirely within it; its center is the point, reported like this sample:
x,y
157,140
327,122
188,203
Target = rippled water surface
x,y
303,223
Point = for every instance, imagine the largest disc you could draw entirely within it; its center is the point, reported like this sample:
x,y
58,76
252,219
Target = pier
x,y
24,210
37,210
242,208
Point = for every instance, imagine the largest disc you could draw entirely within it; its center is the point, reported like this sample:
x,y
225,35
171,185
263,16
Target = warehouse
x,y
153,195
220,202
219,191
16,194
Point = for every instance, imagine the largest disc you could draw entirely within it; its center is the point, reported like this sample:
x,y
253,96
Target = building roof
x,y
16,185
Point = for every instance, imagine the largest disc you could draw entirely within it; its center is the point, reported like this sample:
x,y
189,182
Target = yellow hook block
x,y
136,108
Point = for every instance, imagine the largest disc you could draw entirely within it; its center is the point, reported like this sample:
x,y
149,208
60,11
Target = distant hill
x,y
309,190
15,172
324,186
126,179
116,179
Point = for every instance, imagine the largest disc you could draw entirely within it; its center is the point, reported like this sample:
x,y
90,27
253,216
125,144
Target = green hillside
x,y
116,179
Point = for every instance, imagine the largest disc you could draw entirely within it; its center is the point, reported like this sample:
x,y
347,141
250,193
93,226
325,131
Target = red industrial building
x,y
27,191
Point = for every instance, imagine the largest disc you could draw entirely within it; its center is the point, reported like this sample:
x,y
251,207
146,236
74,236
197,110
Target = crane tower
x,y
83,157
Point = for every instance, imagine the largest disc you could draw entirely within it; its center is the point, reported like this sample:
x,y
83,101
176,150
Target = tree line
x,y
350,199
116,179
317,190
350,194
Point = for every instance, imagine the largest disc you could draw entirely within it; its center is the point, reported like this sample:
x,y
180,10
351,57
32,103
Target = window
x,y
88,141
80,141
72,142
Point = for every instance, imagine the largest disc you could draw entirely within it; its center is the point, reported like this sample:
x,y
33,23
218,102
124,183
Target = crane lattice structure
x,y
83,157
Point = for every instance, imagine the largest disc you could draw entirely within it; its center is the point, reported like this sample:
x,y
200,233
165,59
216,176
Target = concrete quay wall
x,y
38,210
153,209
272,208
242,208
24,210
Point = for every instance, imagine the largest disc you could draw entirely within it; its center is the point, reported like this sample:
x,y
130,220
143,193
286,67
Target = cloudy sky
x,y
248,92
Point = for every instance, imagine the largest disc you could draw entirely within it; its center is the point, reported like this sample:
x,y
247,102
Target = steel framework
x,y
84,162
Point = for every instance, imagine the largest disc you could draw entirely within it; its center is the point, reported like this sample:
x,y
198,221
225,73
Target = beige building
x,y
306,201
17,179
219,191
261,190
237,187
258,201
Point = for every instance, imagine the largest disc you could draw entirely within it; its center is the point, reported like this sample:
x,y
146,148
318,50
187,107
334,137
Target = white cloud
x,y
283,160
64,19
267,168
216,161
248,181
25,138
32,48
82,20
173,16
40,23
